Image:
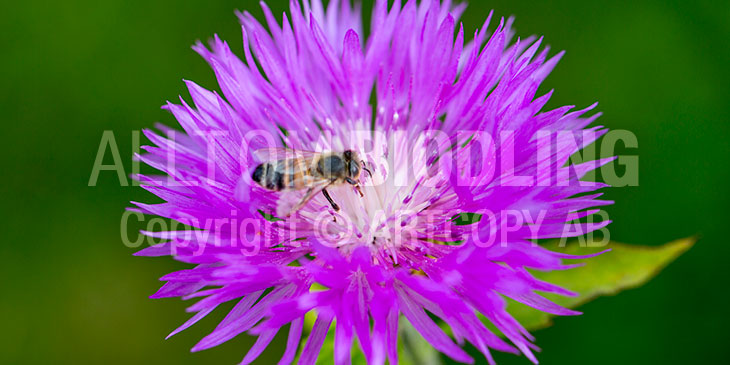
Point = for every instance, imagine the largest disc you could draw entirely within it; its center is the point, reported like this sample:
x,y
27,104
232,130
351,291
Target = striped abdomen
x,y
282,175
266,176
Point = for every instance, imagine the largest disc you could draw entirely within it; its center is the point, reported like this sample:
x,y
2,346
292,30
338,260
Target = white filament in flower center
x,y
389,215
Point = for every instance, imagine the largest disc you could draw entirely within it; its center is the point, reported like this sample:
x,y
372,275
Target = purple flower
x,y
444,128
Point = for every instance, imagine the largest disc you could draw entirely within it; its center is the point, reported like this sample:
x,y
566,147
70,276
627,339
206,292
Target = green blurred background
x,y
73,293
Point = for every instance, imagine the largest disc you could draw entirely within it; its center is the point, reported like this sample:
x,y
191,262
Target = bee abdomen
x,y
259,173
267,176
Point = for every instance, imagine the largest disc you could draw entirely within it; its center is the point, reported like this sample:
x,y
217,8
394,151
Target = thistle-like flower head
x,y
450,132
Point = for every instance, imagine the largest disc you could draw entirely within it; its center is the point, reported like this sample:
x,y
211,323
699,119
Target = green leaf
x,y
624,267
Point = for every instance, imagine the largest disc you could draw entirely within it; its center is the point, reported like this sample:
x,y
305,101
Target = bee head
x,y
353,166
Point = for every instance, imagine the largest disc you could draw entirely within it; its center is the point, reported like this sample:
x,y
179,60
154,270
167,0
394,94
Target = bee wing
x,y
281,153
294,167
292,201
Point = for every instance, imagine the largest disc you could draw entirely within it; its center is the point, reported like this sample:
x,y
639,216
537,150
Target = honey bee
x,y
287,170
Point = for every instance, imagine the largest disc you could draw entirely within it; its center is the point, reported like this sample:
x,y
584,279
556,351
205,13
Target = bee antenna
x,y
364,167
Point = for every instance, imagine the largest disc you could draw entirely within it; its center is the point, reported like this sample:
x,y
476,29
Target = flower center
x,y
406,209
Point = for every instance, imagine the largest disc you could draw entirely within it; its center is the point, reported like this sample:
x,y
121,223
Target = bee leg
x,y
329,199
